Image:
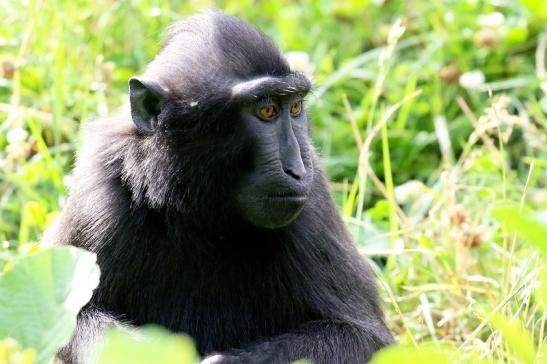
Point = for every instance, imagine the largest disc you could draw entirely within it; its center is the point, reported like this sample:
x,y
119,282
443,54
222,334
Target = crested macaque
x,y
209,212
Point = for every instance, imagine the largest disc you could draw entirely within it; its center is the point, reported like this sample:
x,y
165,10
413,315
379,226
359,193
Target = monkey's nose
x,y
297,172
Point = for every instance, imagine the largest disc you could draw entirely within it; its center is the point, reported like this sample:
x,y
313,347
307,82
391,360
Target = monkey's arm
x,y
90,327
328,342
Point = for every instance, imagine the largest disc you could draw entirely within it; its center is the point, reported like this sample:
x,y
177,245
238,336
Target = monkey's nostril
x,y
297,174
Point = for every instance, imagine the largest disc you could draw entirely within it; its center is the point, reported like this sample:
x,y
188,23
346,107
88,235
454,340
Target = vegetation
x,y
430,117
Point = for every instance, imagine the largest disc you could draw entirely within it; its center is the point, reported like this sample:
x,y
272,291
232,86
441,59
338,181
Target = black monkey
x,y
209,214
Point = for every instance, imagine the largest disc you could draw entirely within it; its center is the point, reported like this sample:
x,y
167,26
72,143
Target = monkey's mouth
x,y
289,203
274,208
288,197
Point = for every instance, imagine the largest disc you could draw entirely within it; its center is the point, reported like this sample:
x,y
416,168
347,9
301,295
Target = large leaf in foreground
x,y
422,355
149,346
41,295
427,353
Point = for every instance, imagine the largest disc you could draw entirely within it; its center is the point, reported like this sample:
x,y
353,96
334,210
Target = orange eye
x,y
266,112
296,107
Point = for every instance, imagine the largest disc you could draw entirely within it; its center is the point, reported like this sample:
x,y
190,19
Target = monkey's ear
x,y
146,99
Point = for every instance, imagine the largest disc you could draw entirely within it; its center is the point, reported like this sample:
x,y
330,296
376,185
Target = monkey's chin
x,y
273,212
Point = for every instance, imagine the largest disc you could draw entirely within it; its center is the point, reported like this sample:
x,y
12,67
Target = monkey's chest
x,y
220,311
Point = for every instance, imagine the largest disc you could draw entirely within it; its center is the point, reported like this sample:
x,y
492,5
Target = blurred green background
x,y
428,116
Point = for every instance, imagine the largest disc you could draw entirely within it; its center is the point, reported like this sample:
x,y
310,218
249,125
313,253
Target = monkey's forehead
x,y
248,90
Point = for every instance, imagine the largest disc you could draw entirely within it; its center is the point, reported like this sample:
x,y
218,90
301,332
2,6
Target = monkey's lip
x,y
287,197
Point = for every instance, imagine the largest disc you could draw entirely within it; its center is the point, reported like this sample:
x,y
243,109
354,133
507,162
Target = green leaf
x,y
403,354
147,346
525,224
433,353
516,35
380,210
537,8
516,336
41,295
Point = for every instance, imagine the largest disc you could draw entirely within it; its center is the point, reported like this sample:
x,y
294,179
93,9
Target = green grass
x,y
417,161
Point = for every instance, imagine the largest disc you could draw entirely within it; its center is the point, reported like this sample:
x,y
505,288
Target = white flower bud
x,y
154,12
492,20
300,61
408,191
472,79
17,135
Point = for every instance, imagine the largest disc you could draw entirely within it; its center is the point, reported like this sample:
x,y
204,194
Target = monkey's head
x,y
222,112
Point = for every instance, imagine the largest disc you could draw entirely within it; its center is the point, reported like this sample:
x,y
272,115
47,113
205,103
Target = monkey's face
x,y
277,168
237,133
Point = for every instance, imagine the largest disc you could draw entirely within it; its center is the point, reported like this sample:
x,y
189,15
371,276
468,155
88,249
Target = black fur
x,y
158,210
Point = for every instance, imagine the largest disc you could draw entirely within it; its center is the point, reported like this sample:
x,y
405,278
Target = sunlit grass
x,y
423,133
